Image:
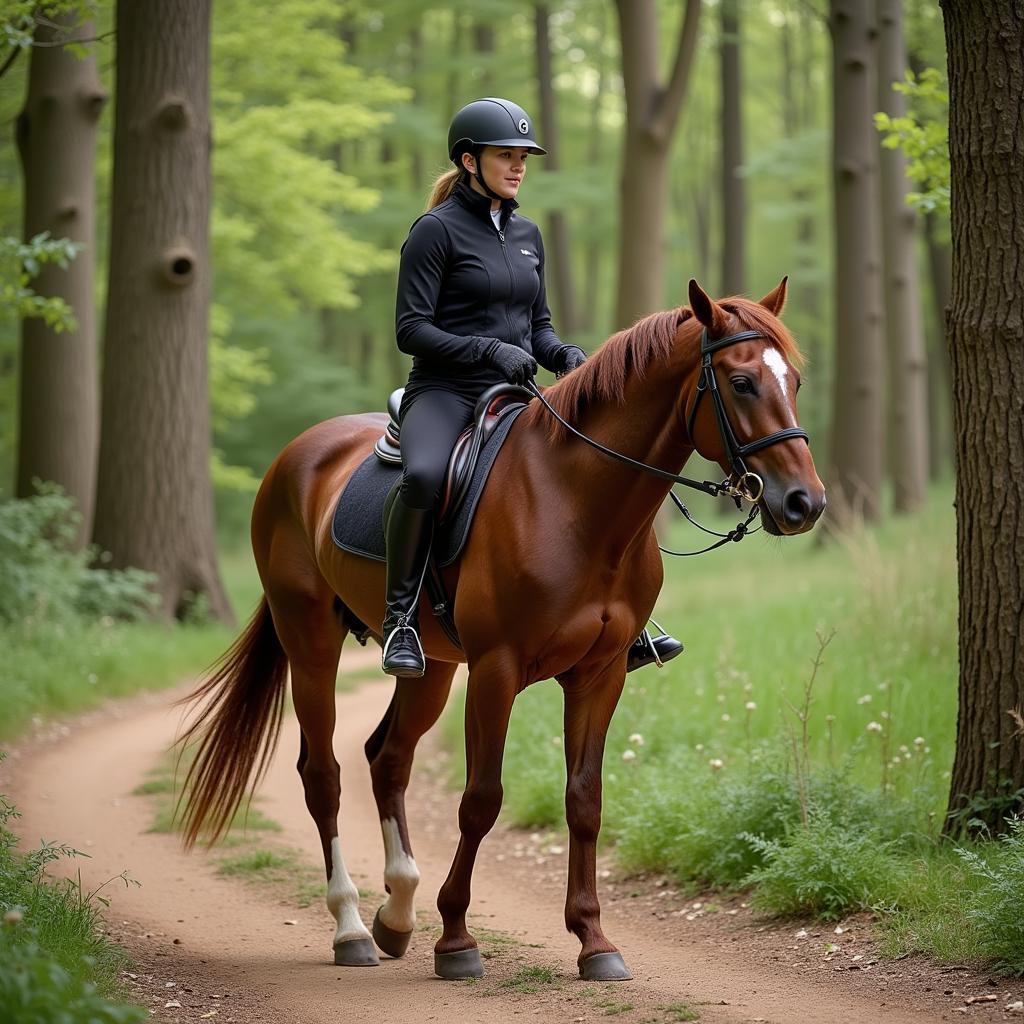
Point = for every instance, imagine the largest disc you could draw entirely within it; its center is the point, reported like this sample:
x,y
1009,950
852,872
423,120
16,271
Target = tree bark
x,y
985,51
907,365
154,506
59,387
734,197
859,383
940,388
586,317
559,251
652,114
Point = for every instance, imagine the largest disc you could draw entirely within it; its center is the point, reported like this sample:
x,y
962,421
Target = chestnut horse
x,y
558,576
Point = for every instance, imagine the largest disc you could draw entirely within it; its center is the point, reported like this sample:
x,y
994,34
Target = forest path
x,y
231,951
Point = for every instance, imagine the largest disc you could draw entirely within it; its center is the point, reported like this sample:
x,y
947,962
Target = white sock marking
x,y
401,876
343,899
774,361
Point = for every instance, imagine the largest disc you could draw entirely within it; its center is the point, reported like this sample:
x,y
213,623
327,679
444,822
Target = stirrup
x,y
647,650
413,661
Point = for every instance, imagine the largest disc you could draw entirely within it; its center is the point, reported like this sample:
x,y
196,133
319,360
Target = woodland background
x,y
729,140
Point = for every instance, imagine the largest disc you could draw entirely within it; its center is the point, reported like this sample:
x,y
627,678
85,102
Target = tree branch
x,y
11,58
670,101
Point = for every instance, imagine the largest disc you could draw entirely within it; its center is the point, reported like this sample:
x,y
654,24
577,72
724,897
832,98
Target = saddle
x,y
491,407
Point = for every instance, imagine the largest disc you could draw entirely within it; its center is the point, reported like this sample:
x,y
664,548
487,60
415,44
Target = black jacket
x,y
461,283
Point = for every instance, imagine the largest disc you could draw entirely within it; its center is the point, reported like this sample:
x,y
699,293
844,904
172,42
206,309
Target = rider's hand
x,y
569,357
516,365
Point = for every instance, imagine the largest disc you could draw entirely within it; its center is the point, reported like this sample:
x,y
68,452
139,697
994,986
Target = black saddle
x,y
491,407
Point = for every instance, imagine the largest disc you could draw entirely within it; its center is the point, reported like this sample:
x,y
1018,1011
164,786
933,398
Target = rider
x,y
472,311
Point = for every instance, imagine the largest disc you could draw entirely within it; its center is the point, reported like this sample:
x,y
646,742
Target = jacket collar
x,y
479,204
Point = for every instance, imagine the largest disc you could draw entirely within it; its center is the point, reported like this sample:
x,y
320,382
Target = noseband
x,y
743,480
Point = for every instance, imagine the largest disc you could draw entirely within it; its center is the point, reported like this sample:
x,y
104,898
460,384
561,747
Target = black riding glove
x,y
516,365
568,358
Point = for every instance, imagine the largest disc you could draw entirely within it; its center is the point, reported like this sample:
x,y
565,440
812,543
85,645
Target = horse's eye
x,y
742,386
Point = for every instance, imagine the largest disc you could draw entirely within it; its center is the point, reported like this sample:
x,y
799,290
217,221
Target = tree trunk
x,y
857,424
154,504
985,51
734,199
652,114
483,44
59,390
454,85
907,365
559,251
587,316
940,388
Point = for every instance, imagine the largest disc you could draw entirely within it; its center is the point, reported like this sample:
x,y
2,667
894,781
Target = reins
x,y
734,450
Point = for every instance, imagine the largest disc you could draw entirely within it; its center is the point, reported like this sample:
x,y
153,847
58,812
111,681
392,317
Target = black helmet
x,y
491,122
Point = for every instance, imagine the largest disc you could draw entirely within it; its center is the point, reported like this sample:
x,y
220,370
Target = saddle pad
x,y
358,517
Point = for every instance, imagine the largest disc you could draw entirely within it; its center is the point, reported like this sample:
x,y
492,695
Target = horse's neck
x,y
615,504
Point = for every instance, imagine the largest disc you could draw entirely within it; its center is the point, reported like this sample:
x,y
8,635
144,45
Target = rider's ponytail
x,y
443,187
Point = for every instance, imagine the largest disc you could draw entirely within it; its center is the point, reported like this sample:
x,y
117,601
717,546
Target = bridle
x,y
734,451
742,483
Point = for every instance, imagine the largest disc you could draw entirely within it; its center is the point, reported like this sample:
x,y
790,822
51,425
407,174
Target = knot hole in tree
x,y
173,114
179,266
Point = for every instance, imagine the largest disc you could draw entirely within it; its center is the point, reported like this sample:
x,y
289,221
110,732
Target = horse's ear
x,y
707,311
775,300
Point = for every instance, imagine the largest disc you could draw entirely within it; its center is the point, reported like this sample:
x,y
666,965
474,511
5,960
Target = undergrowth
x,y
55,963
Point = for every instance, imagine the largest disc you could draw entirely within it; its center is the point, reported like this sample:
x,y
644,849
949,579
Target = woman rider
x,y
472,311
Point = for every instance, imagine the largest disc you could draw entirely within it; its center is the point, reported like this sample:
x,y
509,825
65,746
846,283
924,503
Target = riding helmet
x,y
490,122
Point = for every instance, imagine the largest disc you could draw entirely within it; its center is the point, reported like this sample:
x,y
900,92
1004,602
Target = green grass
x,y
530,980
679,1011
55,962
54,670
709,778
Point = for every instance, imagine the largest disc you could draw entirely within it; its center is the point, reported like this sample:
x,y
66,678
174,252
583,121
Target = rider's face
x,y
503,168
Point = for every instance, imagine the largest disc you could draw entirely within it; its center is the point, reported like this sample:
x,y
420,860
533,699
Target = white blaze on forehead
x,y
774,361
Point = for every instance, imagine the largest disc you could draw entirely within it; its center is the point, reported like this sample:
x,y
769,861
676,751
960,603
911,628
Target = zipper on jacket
x,y
511,284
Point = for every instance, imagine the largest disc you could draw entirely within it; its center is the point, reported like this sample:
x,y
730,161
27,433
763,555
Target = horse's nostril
x,y
796,506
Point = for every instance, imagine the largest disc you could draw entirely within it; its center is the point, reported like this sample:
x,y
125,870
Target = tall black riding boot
x,y
409,532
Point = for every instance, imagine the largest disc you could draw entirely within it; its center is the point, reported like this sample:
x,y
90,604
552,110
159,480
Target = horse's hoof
x,y
605,967
465,963
355,953
388,940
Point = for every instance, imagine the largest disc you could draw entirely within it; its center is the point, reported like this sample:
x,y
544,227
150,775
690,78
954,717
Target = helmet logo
x,y
524,125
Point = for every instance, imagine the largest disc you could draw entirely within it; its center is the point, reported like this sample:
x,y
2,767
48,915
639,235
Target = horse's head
x,y
742,411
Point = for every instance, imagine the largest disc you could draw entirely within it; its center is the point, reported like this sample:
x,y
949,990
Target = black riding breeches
x,y
431,422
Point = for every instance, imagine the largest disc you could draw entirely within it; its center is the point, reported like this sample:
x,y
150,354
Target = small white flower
x,y
556,740
830,718
636,739
883,714
904,748
866,699
726,717
874,727
699,748
751,705
716,764
629,755
918,741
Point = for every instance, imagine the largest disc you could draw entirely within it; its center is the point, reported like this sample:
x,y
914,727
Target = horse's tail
x,y
236,730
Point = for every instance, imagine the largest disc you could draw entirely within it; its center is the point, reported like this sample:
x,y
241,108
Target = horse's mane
x,y
629,352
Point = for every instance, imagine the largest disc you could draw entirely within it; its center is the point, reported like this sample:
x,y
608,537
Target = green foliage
x,y
825,869
20,262
923,135
45,578
55,963
995,908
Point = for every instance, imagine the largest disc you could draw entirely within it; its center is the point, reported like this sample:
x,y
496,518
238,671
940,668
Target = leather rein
x,y
741,484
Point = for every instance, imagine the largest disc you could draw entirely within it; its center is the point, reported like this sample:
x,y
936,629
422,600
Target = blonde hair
x,y
443,187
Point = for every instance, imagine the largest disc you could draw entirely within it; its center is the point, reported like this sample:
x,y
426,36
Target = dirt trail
x,y
226,950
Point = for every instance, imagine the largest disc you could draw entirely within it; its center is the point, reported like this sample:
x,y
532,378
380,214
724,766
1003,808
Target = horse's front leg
x,y
494,681
589,704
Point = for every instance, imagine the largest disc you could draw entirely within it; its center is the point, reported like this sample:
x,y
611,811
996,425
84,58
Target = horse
x,y
558,576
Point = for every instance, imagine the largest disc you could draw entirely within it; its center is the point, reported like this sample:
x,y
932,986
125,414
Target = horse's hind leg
x,y
415,707
312,633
